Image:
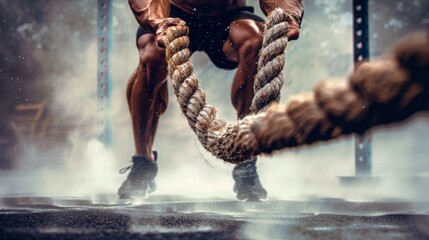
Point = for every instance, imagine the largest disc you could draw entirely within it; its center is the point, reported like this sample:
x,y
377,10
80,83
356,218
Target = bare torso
x,y
208,7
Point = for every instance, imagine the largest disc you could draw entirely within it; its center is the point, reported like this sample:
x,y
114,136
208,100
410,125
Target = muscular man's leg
x,y
147,94
242,46
147,98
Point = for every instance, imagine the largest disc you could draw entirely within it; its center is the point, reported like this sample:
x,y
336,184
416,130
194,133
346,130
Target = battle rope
x,y
384,91
269,77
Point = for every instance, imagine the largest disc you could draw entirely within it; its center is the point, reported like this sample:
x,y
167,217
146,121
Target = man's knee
x,y
246,36
151,54
250,47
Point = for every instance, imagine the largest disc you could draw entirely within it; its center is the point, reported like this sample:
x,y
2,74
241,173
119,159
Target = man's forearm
x,y
150,13
293,7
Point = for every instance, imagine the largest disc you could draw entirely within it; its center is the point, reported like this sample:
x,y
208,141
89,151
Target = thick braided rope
x,y
384,91
269,78
215,134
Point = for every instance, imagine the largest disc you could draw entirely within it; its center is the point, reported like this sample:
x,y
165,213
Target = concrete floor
x,y
175,217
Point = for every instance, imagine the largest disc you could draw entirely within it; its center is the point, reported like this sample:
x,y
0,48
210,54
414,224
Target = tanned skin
x,y
147,88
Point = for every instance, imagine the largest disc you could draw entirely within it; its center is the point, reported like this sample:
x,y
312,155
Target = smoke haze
x,y
50,52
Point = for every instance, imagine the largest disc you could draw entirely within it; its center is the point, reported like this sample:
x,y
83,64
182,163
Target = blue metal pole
x,y
104,79
363,166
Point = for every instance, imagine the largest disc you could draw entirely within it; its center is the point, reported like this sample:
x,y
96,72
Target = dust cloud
x,y
62,50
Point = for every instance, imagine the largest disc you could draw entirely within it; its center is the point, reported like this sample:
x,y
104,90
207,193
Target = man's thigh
x,y
234,28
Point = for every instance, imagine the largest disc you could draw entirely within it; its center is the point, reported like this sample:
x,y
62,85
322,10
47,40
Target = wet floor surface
x,y
73,218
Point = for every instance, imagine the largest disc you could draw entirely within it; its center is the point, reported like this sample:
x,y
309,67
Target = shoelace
x,y
125,169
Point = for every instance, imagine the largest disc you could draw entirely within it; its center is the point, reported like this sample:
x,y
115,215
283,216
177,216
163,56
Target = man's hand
x,y
162,29
294,26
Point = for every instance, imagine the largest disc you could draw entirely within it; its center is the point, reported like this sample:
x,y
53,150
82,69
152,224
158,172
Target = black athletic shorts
x,y
209,33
